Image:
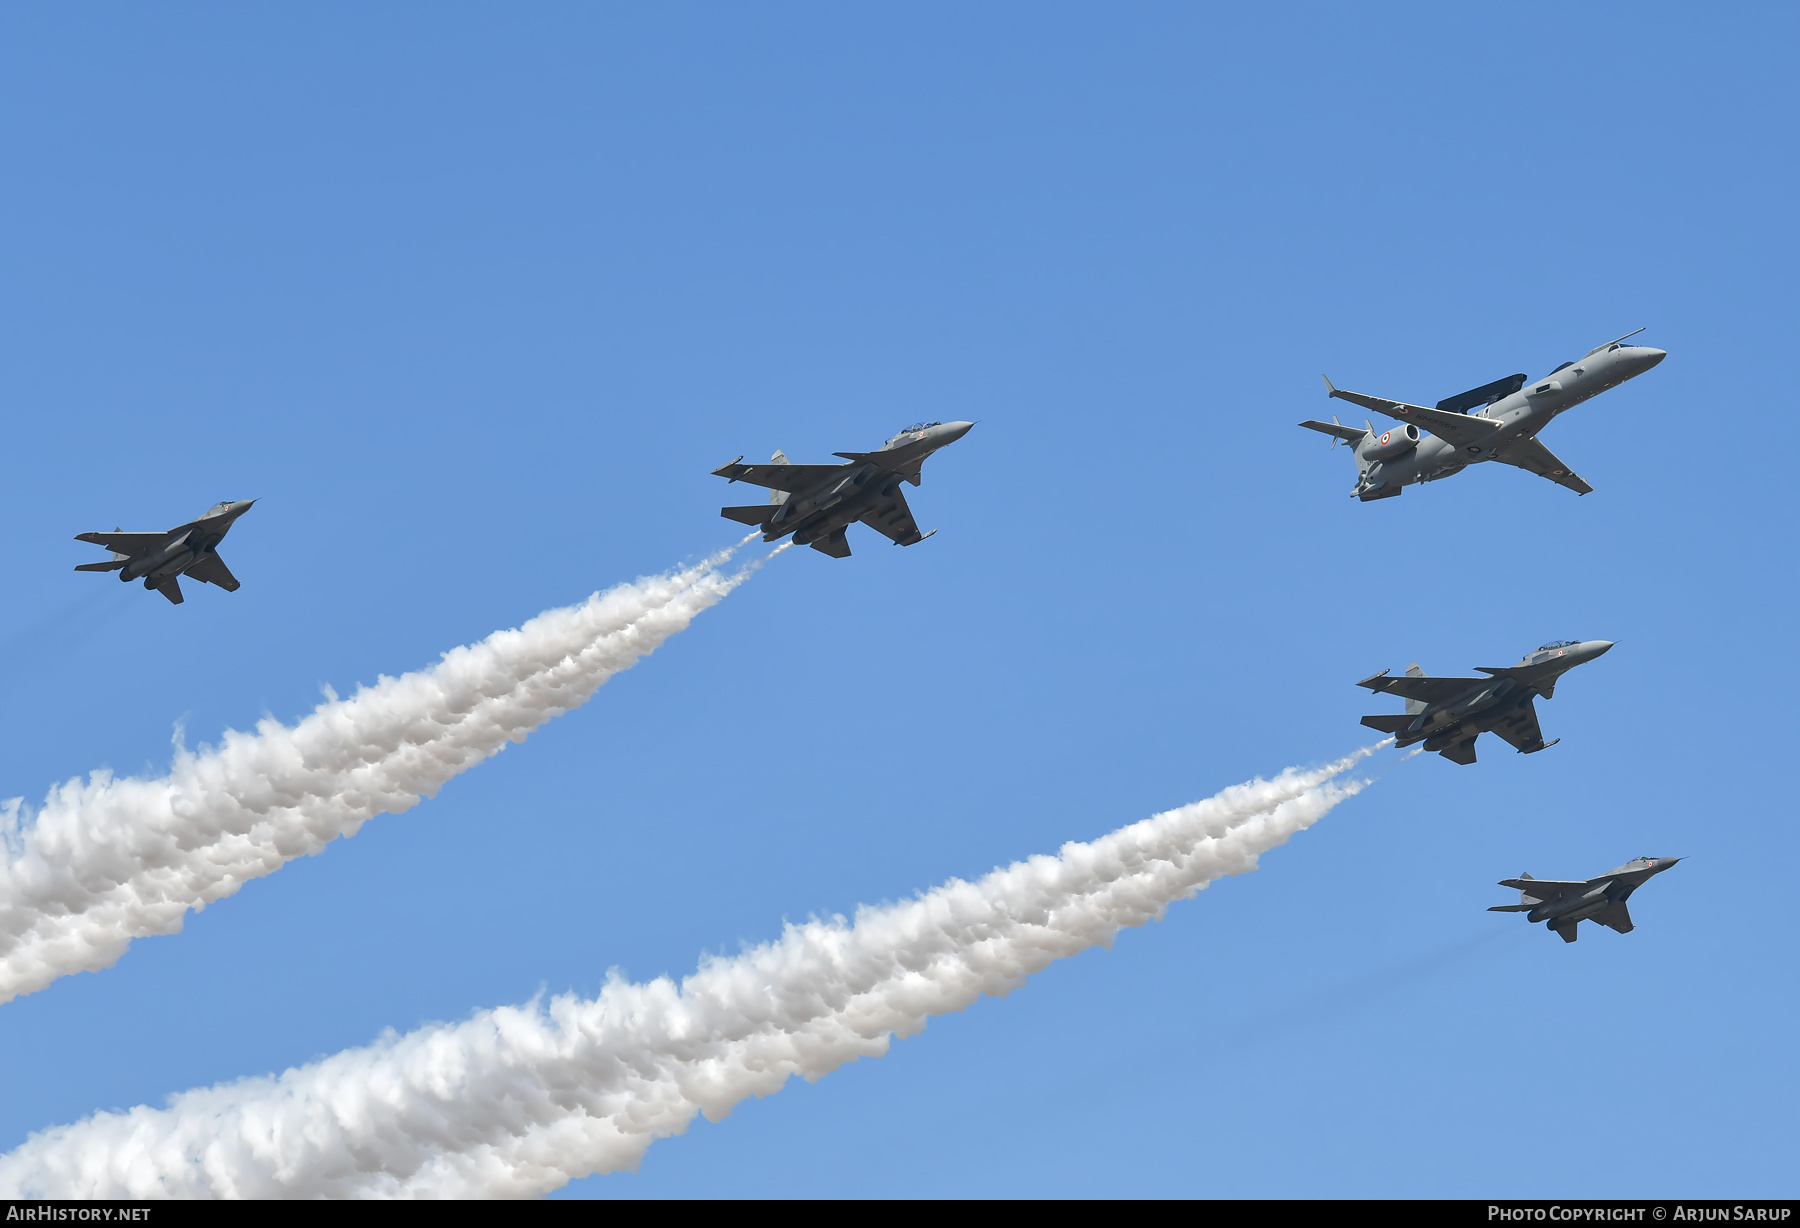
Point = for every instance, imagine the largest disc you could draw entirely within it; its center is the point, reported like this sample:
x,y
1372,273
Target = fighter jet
x,y
1566,905
161,559
816,503
1448,714
1497,421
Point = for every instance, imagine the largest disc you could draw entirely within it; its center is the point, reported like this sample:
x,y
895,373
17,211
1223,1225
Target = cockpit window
x,y
1557,644
1566,364
908,430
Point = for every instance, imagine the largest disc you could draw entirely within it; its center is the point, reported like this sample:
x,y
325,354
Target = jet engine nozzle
x,y
1389,444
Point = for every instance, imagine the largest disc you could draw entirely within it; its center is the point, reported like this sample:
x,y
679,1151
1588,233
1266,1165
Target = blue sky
x,y
472,299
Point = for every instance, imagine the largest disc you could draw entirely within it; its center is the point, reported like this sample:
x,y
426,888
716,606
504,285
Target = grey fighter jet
x,y
161,559
1566,905
1448,714
1497,422
816,503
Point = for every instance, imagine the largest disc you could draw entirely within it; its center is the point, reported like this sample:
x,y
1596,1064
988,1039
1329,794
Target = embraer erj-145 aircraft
x,y
1497,422
161,559
1600,900
1448,714
816,503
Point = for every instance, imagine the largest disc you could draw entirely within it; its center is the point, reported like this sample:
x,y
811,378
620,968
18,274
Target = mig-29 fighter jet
x,y
816,503
1566,905
1497,421
1448,714
162,558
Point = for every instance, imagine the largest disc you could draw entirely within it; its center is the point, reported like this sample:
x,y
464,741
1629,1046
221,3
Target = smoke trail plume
x,y
107,860
517,1101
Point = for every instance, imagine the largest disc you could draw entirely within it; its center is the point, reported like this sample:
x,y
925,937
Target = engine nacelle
x,y
1389,444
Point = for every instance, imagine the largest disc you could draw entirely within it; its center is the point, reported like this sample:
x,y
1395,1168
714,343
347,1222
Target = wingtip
x,y
1330,389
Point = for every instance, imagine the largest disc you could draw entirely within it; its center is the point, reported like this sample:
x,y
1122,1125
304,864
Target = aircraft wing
x,y
1543,888
893,519
1430,690
1533,457
791,478
1615,917
212,570
1522,730
1458,429
132,544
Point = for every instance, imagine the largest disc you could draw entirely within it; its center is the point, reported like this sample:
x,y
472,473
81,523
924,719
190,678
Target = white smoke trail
x,y
107,860
517,1101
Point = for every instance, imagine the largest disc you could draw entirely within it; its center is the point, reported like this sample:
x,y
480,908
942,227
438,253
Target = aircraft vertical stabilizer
x,y
1415,706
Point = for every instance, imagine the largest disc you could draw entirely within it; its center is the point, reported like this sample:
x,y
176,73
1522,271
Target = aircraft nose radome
x,y
1653,356
954,431
1597,648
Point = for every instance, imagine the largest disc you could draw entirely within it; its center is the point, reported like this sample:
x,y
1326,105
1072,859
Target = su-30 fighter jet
x,y
1495,422
1566,905
161,559
1448,714
816,503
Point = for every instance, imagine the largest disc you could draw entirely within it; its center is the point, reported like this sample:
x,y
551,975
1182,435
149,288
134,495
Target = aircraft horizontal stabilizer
x,y
114,565
833,544
1512,908
1349,434
1389,724
757,514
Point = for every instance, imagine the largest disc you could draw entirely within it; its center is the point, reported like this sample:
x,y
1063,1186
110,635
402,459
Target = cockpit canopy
x,y
1557,644
908,430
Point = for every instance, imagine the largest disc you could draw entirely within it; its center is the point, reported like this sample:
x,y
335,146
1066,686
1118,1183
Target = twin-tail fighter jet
x,y
1495,422
1448,714
817,503
161,559
1565,905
